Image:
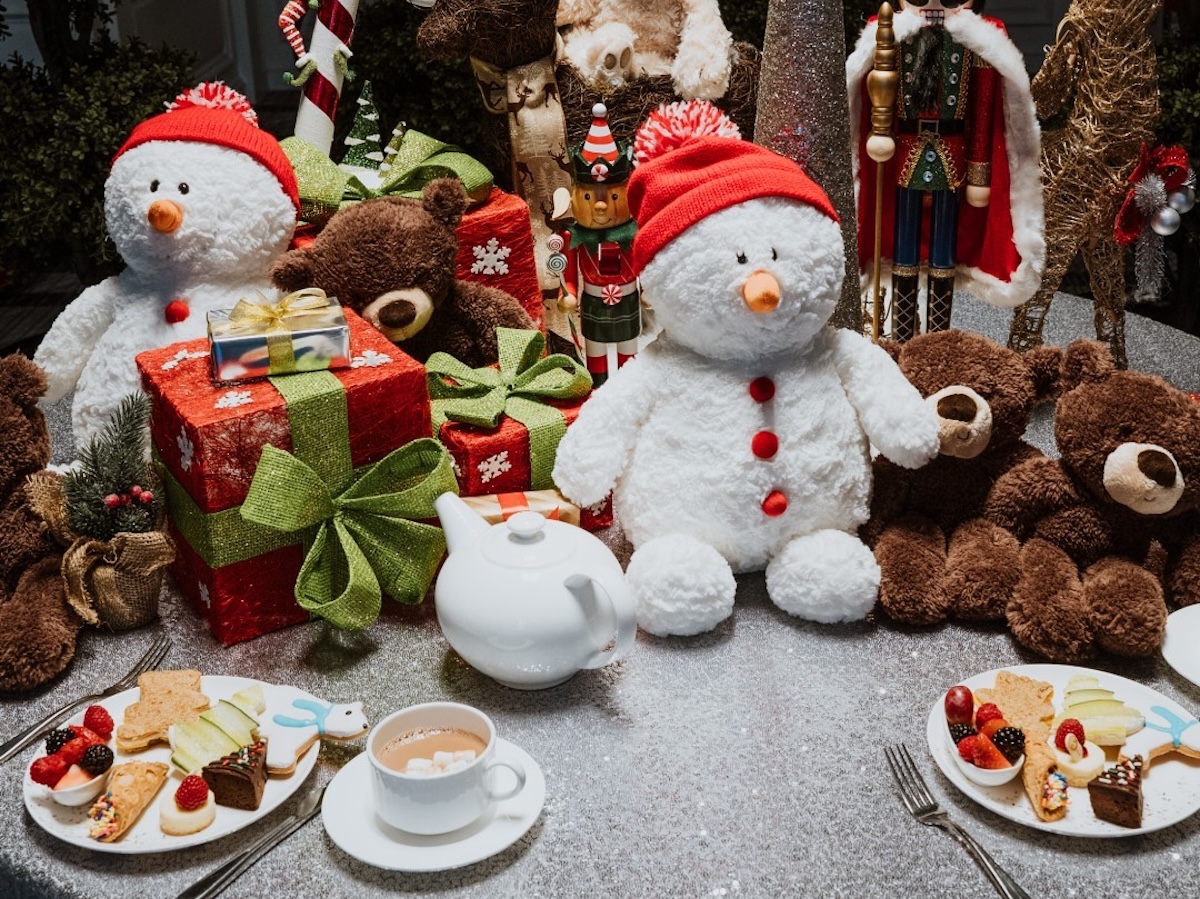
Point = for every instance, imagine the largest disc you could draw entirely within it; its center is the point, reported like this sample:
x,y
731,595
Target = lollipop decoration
x,y
1162,188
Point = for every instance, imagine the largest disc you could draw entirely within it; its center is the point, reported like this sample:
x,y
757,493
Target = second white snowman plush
x,y
740,438
199,202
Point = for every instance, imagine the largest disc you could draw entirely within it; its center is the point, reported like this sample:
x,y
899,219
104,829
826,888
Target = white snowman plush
x,y
199,201
740,438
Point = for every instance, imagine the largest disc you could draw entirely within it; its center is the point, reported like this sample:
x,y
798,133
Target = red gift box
x,y
208,438
495,247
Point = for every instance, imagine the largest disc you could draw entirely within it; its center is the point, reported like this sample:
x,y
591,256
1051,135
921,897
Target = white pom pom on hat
x,y
692,162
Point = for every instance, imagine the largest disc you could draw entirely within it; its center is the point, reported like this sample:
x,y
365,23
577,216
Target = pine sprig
x,y
111,490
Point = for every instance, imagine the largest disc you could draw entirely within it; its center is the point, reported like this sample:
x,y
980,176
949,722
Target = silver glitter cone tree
x,y
803,114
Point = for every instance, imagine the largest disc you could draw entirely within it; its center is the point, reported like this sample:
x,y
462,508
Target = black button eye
x,y
183,188
774,255
741,258
154,186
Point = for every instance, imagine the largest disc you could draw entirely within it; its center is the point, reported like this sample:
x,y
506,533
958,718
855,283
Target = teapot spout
x,y
461,526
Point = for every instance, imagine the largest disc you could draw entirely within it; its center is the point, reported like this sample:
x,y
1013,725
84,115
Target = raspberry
x,y
72,752
97,759
986,713
48,770
192,793
57,739
967,746
958,731
1011,742
987,755
85,733
97,719
1069,726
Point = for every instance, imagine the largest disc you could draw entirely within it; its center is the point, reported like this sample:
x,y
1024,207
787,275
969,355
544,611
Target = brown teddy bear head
x,y
1129,437
24,440
982,393
391,260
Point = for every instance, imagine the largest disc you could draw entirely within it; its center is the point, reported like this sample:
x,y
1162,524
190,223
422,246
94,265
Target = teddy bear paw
x,y
1127,609
826,576
604,56
681,586
700,74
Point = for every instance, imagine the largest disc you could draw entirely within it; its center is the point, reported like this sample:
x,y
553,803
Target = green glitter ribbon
x,y
418,159
357,525
518,389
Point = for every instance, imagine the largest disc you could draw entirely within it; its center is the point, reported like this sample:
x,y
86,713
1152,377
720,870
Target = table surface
x,y
745,762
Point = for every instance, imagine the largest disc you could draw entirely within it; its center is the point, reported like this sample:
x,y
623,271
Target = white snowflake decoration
x,y
204,595
370,359
598,508
494,466
186,450
231,399
180,356
489,259
456,468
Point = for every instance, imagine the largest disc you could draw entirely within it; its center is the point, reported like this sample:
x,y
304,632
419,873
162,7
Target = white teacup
x,y
439,803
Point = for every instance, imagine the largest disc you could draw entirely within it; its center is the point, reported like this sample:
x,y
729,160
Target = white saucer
x,y
351,822
1181,648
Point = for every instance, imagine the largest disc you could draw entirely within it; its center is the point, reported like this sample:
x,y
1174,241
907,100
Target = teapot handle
x,y
623,610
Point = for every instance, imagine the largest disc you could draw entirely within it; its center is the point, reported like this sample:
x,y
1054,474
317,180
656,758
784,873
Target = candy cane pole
x,y
323,65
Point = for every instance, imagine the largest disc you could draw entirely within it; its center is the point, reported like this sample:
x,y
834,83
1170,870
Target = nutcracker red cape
x,y
1001,246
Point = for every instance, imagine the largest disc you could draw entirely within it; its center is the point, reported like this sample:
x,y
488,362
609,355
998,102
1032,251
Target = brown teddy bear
x,y
1111,529
392,261
37,626
937,556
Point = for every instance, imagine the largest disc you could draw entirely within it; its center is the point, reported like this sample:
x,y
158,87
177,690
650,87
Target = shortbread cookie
x,y
131,787
165,698
1174,734
307,720
1025,701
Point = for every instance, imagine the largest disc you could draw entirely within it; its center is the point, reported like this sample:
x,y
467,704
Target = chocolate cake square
x,y
237,780
1116,793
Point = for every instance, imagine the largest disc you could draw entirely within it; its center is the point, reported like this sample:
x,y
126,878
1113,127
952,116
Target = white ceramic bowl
x,y
81,794
985,777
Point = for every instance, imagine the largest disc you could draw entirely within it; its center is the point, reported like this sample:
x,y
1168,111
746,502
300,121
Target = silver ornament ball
x,y
1165,221
1182,200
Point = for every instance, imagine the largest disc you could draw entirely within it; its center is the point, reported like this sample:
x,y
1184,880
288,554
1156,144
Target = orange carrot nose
x,y
165,216
761,292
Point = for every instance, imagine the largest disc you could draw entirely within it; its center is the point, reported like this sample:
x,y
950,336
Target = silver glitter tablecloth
x,y
743,763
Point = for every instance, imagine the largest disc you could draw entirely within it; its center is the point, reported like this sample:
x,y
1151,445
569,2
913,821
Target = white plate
x,y
351,822
71,824
1170,791
1181,648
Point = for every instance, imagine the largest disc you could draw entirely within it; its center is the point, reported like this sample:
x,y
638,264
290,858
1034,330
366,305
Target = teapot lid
x,y
528,540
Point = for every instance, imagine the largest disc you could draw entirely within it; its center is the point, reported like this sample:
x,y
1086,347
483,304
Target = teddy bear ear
x,y
892,348
293,270
21,380
1045,364
446,201
1084,362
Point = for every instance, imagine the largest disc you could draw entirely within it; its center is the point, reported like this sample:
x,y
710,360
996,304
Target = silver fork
x,y
922,806
154,655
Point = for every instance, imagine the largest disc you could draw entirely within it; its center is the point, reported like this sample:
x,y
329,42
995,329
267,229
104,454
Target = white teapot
x,y
529,602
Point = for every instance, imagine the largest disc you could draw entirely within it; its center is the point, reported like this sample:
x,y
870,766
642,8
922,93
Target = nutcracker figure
x,y
947,151
593,254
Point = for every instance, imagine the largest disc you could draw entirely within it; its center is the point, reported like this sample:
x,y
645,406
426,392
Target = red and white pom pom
x,y
215,95
674,124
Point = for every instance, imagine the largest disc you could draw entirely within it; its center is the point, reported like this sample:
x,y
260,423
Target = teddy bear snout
x,y
964,421
400,314
1143,477
164,216
761,292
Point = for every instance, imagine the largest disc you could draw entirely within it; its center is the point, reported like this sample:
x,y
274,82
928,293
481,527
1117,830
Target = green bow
x,y
518,389
361,541
325,187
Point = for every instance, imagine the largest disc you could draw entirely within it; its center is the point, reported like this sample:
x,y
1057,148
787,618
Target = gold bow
x,y
277,321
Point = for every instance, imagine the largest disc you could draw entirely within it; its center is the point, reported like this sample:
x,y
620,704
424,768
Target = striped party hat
x,y
600,158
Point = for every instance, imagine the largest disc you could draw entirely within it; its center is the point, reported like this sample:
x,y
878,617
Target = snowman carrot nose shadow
x,y
761,292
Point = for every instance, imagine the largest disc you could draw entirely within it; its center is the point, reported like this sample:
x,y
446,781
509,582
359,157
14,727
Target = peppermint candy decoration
x,y
610,294
674,125
600,171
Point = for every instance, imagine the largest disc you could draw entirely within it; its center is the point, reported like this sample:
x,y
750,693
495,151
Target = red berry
x,y
959,705
125,500
192,793
988,756
966,748
112,501
135,490
986,713
146,496
73,752
1069,726
86,733
98,720
48,770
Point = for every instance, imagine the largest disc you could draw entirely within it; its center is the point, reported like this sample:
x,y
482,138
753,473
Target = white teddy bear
x,y
739,439
614,41
199,202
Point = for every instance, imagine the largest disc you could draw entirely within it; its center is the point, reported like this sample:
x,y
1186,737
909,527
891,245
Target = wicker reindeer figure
x,y
1099,80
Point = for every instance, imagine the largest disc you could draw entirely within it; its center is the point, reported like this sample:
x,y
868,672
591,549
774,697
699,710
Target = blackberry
x,y
1010,741
958,731
97,759
57,739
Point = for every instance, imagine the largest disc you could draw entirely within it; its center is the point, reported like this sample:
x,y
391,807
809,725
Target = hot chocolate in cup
x,y
433,768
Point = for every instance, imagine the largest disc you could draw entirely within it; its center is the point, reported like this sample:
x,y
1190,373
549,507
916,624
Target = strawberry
x,y
985,713
192,793
1069,726
72,752
97,719
86,733
987,755
992,725
48,770
966,747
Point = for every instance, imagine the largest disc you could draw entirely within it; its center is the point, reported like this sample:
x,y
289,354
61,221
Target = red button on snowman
x,y
739,439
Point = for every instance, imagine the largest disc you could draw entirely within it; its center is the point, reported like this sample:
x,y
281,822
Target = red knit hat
x,y
212,113
692,163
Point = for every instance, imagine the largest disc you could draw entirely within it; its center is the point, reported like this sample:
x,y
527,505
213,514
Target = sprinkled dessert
x,y
238,779
131,786
1116,794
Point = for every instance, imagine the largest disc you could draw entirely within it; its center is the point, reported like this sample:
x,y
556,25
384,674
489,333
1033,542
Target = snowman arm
x,y
66,348
890,410
596,447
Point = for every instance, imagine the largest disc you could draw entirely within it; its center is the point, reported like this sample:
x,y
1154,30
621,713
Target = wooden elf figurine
x,y
594,263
